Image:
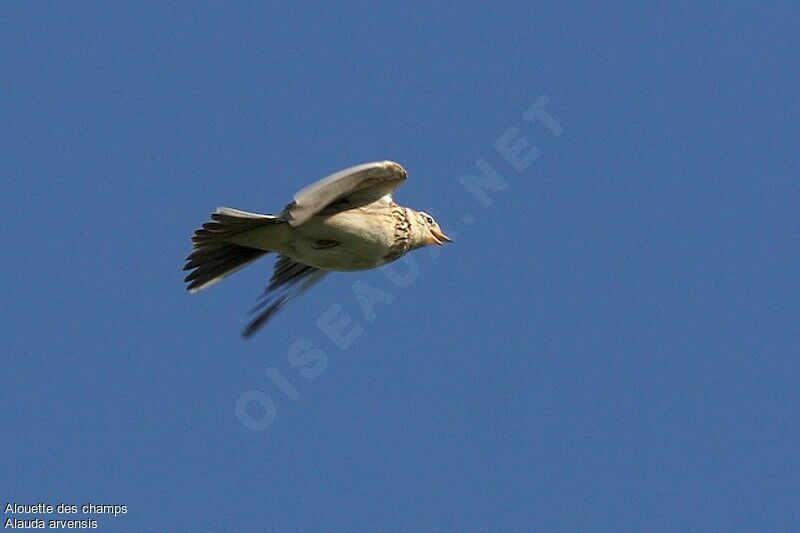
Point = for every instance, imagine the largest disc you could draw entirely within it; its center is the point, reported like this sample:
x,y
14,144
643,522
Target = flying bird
x,y
345,222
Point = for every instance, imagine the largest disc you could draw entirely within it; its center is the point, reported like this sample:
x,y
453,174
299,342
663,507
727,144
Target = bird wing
x,y
289,280
358,185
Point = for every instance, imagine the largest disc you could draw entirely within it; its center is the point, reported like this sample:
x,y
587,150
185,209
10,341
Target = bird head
x,y
425,230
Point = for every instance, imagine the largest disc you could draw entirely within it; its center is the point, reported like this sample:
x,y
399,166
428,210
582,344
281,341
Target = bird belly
x,y
346,241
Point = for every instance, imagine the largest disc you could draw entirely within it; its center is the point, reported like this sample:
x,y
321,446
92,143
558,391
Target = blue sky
x,y
611,343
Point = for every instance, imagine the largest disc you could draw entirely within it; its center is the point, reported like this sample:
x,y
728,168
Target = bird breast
x,y
354,239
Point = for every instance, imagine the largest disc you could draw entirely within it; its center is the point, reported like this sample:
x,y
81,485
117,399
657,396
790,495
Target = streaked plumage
x,y
345,222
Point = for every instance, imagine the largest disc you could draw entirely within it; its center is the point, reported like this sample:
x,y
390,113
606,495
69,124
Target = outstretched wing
x,y
289,280
359,185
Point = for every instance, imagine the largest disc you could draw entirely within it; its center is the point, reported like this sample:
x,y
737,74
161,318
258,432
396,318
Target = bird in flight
x,y
345,222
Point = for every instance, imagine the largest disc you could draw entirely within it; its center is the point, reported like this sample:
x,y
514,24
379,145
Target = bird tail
x,y
215,256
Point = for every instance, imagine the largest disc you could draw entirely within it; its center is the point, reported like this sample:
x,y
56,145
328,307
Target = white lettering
x,y
333,323
489,180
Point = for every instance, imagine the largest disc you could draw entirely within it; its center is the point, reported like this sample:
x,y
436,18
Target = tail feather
x,y
207,273
214,257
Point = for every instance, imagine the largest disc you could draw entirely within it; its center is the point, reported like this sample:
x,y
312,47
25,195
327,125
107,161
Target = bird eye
x,y
429,220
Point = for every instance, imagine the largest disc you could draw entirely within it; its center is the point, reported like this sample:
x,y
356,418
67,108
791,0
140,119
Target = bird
x,y
345,222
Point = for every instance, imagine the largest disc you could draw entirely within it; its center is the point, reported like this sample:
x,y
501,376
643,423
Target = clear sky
x,y
611,343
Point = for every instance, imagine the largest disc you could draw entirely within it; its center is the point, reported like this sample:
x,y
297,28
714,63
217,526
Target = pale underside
x,y
355,239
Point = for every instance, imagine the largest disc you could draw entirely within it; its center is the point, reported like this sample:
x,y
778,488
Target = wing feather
x,y
289,280
360,184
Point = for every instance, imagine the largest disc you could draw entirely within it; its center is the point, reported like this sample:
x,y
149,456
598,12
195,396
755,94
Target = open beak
x,y
440,237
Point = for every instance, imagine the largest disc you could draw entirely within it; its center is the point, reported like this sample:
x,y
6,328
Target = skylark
x,y
345,222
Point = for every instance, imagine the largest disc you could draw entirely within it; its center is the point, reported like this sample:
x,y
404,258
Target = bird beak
x,y
439,237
